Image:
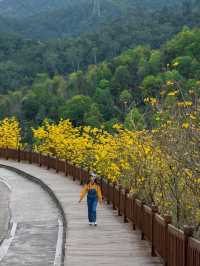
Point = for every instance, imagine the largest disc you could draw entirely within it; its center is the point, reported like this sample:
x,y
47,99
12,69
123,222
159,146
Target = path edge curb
x,y
9,227
52,195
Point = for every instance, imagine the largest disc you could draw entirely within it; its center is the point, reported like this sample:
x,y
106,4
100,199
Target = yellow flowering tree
x,y
10,133
177,136
161,165
126,157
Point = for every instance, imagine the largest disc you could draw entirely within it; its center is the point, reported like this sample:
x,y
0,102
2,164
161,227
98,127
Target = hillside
x,y
22,59
21,8
56,19
113,90
41,79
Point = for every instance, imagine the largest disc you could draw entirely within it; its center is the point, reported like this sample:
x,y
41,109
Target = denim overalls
x,y
92,201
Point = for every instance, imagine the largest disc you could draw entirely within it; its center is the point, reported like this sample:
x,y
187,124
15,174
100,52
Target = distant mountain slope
x,y
111,85
22,59
45,19
25,8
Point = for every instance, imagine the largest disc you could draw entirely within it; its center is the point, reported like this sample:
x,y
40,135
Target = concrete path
x,y
111,243
34,234
4,209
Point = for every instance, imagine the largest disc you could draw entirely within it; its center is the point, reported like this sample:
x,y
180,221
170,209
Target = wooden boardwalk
x,y
111,243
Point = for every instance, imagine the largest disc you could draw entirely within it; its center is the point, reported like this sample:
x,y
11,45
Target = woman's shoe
x,y
90,223
95,224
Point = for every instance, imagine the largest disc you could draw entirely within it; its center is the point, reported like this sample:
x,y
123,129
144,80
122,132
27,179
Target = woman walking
x,y
93,191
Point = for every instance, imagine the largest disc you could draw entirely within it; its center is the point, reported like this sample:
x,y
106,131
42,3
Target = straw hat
x,y
93,176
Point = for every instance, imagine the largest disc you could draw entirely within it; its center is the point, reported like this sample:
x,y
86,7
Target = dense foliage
x,y
160,166
22,59
10,133
113,90
50,18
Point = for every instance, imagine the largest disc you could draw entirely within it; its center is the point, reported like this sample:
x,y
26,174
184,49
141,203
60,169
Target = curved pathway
x,y
4,209
111,243
34,231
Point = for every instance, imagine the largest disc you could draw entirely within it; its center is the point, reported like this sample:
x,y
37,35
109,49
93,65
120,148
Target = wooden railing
x,y
175,247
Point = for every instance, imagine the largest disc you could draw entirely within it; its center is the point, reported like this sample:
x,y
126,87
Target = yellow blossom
x,y
185,104
170,82
173,93
175,64
10,133
185,125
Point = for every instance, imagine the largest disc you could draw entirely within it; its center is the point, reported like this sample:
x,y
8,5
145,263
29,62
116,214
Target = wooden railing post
x,y
119,195
57,168
78,173
66,168
7,156
69,169
142,219
154,211
133,211
113,200
80,176
168,220
188,232
125,205
48,162
18,155
40,159
30,156
108,192
74,173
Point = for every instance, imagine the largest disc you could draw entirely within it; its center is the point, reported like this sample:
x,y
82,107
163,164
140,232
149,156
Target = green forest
x,y
51,19
101,74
